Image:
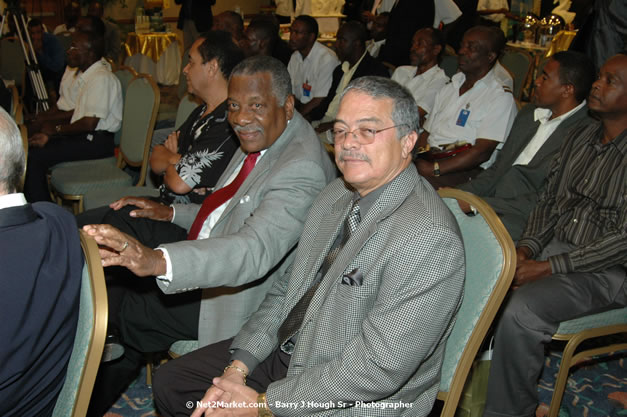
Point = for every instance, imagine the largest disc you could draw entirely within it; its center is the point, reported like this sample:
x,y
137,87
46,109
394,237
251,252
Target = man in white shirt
x,y
96,116
311,65
512,184
423,78
472,114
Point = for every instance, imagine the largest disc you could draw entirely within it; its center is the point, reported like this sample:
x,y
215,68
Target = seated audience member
x,y
41,263
366,276
472,115
406,17
423,78
49,52
239,241
261,37
195,17
571,257
311,65
378,32
96,116
231,22
71,14
512,184
112,42
356,62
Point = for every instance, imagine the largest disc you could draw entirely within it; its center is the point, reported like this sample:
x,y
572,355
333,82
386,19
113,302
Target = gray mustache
x,y
353,155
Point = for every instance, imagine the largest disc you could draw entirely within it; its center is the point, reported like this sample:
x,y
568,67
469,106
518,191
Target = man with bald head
x,y
571,257
471,116
336,334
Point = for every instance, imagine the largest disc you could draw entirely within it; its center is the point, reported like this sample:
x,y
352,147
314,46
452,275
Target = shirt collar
x,y
12,200
543,115
346,65
459,78
102,63
428,73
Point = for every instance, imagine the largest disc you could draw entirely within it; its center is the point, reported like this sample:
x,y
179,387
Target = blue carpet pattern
x,y
596,388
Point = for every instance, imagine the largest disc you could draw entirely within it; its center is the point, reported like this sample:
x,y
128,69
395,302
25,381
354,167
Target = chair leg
x,y
562,377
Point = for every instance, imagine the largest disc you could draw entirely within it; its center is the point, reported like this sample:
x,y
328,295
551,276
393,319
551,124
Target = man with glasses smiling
x,y
337,333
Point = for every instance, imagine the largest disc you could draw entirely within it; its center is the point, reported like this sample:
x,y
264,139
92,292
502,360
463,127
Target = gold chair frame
x,y
452,397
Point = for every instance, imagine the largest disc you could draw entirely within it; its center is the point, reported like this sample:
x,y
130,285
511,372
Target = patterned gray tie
x,y
294,319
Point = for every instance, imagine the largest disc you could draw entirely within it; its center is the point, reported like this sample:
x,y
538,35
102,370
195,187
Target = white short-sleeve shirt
x,y
488,110
424,87
68,90
99,95
312,76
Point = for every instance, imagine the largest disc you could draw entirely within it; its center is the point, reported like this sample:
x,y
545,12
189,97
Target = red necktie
x,y
221,196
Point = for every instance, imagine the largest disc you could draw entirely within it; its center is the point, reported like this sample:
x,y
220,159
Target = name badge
x,y
306,89
463,117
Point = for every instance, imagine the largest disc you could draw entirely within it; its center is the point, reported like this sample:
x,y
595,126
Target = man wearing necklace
x,y
571,258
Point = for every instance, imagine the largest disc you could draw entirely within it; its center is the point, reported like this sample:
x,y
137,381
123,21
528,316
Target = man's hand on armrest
x,y
147,208
120,249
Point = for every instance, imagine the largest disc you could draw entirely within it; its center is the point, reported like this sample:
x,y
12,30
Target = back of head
x,y
309,22
576,69
11,154
220,45
404,113
281,82
437,38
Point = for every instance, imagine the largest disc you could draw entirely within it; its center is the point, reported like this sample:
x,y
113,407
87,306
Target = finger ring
x,y
124,247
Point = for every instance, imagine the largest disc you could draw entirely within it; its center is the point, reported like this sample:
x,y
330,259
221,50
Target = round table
x,y
154,53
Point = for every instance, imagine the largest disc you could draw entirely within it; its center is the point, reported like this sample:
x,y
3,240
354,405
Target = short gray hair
x,y
405,111
12,162
281,81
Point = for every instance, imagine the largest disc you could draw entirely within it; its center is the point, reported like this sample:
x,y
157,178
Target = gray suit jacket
x,y
252,242
512,190
383,340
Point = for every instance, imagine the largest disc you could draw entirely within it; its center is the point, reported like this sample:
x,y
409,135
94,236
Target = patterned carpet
x,y
597,388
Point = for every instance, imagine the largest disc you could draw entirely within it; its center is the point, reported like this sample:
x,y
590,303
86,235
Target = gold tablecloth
x,y
152,45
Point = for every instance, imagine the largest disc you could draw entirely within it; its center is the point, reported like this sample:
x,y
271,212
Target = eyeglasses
x,y
364,135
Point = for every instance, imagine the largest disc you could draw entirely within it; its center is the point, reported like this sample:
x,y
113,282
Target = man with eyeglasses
x,y
337,333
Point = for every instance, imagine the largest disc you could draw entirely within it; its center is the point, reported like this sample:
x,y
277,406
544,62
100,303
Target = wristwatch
x,y
58,128
436,169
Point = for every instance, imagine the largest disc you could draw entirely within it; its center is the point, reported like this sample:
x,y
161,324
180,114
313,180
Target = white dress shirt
x,y
491,108
424,87
546,129
99,95
12,200
315,71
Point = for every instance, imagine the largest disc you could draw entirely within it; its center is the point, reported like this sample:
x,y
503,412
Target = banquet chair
x,y
90,336
125,75
490,266
24,134
519,63
72,180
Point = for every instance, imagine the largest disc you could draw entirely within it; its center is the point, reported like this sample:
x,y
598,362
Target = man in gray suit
x,y
238,250
358,325
512,184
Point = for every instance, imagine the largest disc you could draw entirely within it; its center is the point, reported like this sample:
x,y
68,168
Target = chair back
x,y
186,106
449,65
12,66
125,75
138,121
90,337
519,64
17,108
24,134
490,266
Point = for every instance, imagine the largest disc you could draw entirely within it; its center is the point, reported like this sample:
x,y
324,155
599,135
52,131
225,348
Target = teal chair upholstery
x,y
73,180
519,64
90,337
103,197
181,347
578,330
490,266
125,75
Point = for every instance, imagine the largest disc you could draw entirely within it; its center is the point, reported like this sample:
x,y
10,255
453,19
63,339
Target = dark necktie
x,y
294,319
221,196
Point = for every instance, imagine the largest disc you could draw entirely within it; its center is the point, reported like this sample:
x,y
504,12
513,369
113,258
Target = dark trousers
x,y
147,320
530,317
62,149
190,376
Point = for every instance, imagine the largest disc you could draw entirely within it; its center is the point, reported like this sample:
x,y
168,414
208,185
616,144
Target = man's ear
x,y
407,144
568,90
212,66
289,107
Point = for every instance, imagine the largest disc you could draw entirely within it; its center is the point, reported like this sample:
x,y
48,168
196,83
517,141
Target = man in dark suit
x,y
41,263
195,17
355,62
336,335
512,184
